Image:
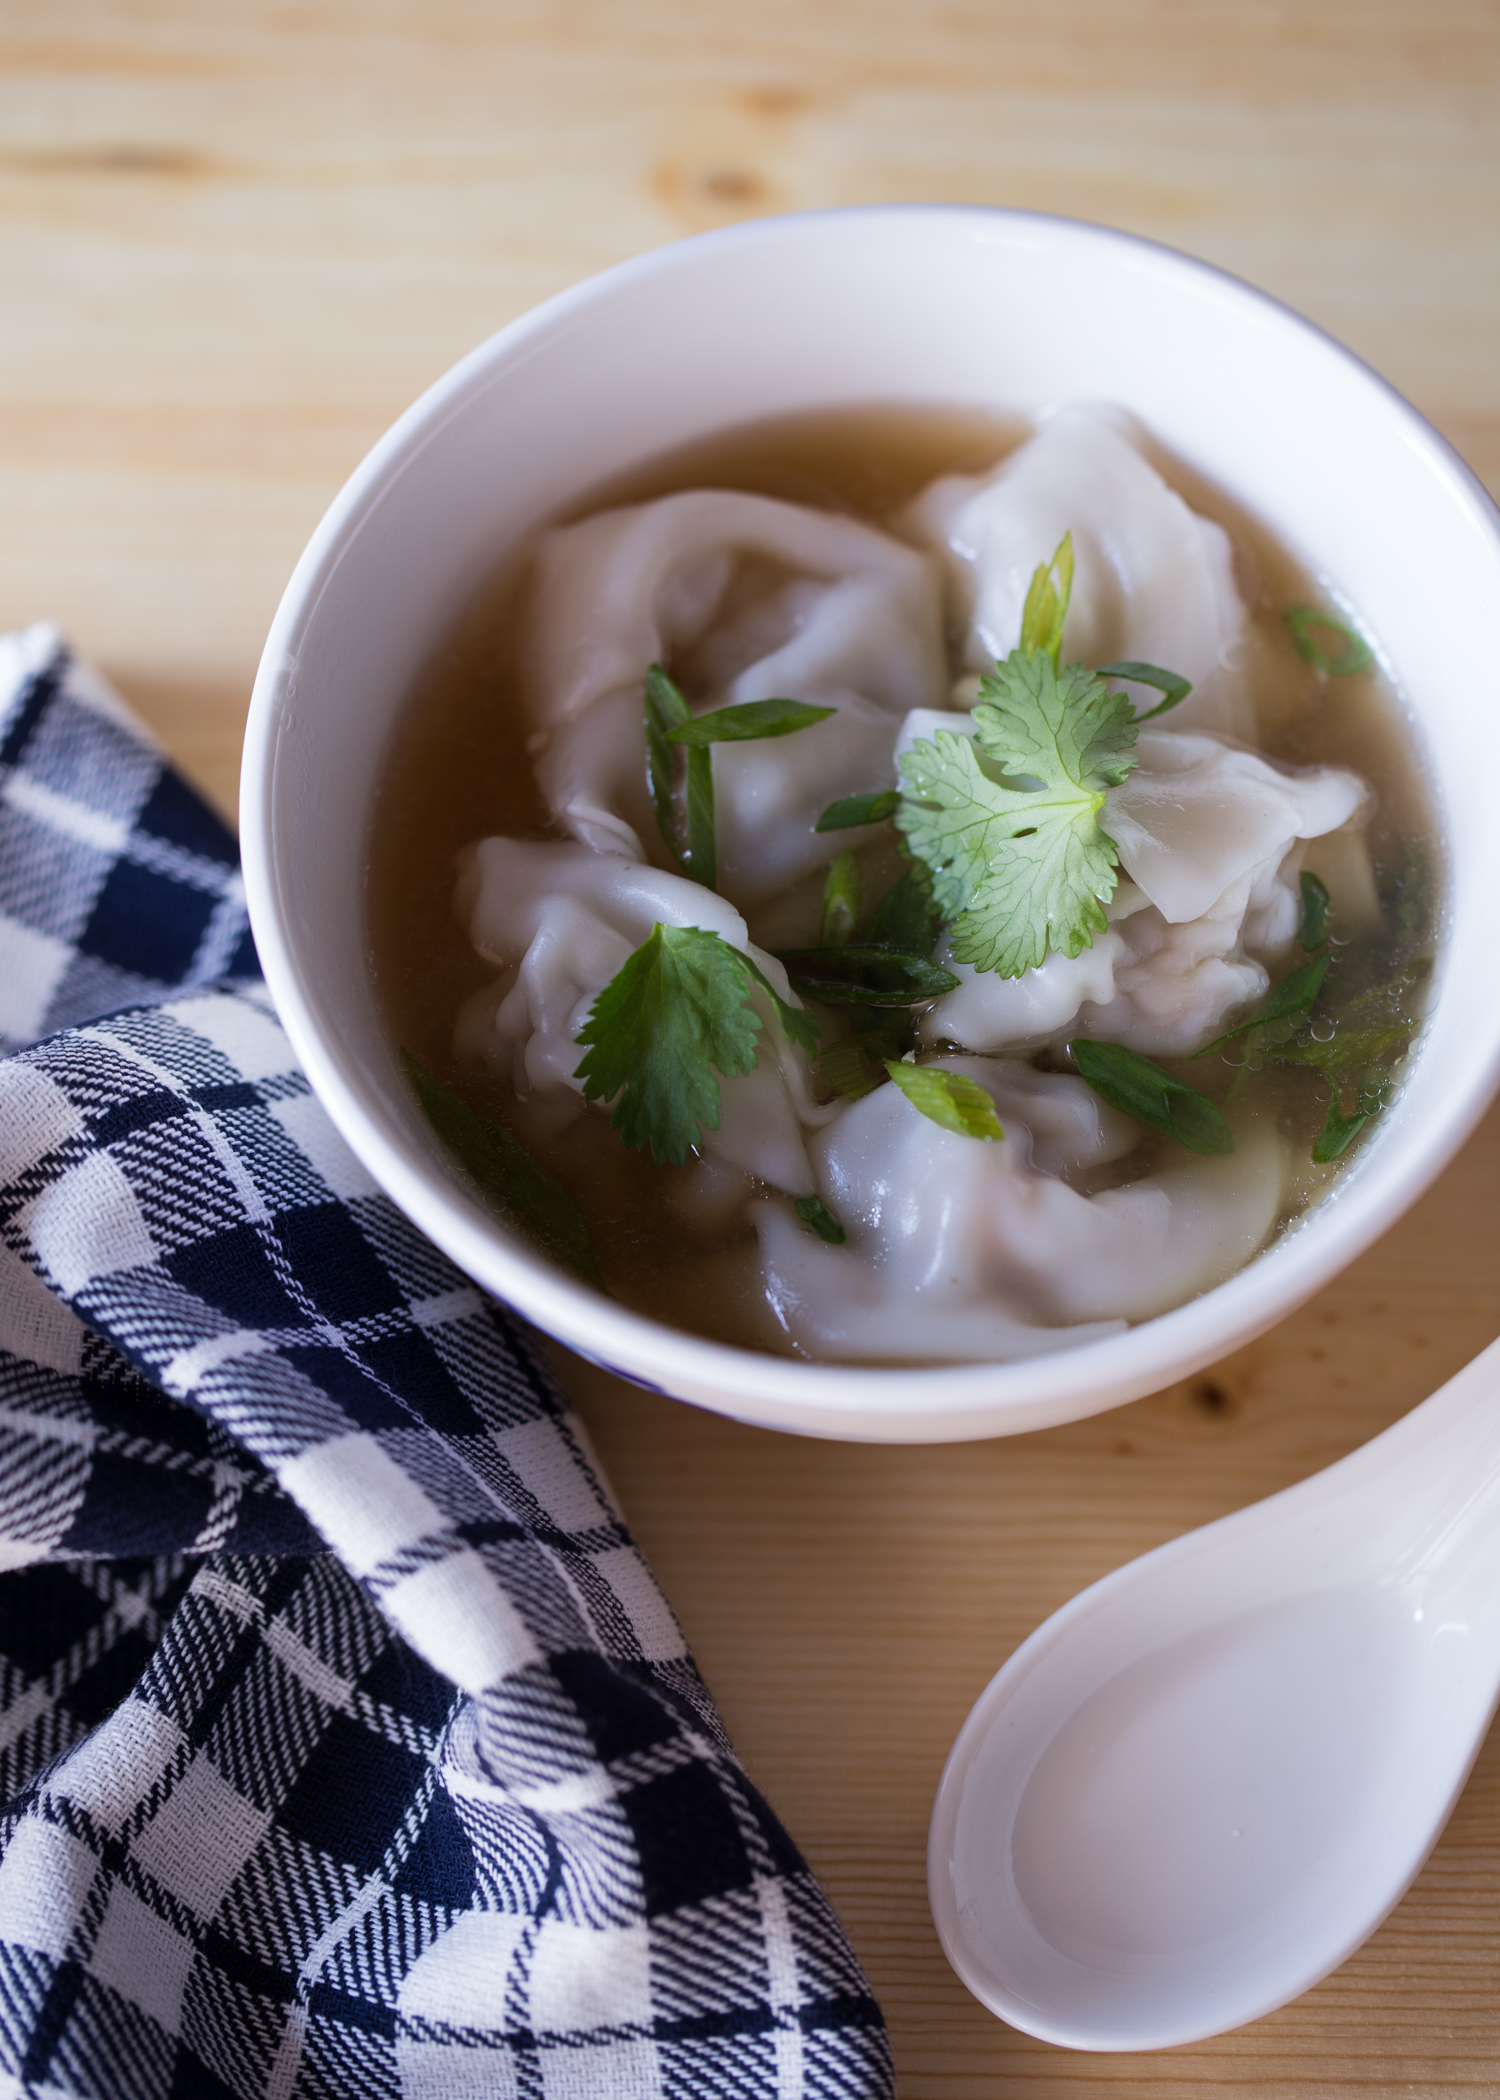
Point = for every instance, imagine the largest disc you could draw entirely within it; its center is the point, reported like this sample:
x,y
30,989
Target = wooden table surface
x,y
236,239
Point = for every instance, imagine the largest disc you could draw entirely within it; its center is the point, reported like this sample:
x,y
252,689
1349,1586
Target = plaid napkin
x,y
347,1745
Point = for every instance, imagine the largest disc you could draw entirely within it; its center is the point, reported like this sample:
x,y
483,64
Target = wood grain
x,y
237,240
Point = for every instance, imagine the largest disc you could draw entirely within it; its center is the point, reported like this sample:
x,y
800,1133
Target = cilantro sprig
x,y
1009,821
1020,869
674,1018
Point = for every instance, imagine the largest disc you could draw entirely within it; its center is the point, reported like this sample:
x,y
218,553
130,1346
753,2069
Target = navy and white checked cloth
x,y
348,1748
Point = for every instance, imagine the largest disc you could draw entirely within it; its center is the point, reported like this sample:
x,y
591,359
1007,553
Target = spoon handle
x,y
1427,1482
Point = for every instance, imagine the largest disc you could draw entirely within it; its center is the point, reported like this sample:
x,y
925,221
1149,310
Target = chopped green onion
x,y
1304,622
665,709
667,712
748,723
500,1163
859,809
1046,606
703,850
1345,1050
1294,995
1175,687
1339,1131
847,1069
865,976
820,1219
669,721
1312,927
841,900
947,1099
1153,1097
907,916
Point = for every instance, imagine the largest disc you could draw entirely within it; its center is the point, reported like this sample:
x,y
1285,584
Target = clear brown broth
x,y
458,769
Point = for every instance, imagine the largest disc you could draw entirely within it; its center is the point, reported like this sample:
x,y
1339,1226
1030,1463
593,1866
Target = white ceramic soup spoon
x,y
1203,1783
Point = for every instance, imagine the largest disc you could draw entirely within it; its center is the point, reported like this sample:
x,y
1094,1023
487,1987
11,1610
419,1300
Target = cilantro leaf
x,y
1055,725
820,1219
676,1012
500,1163
796,1021
1020,870
947,1098
1143,1090
865,976
748,723
850,810
1014,872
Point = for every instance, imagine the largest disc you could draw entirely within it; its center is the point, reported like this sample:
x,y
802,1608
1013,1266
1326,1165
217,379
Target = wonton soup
x,y
889,887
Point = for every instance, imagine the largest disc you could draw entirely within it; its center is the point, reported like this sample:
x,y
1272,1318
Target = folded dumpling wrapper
x,y
562,920
764,600
1153,582
960,1246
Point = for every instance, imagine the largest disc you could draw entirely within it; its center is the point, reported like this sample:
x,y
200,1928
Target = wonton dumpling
x,y
759,600
1152,583
1159,988
562,919
1210,841
959,1247
1195,815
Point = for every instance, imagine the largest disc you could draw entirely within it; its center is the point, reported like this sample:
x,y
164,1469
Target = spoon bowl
x,y
1205,1781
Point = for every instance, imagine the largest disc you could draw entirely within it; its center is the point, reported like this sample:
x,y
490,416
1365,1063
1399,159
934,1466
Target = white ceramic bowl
x,y
924,304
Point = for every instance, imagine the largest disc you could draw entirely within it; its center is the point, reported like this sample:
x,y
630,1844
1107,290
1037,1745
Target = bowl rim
x,y
956,1398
